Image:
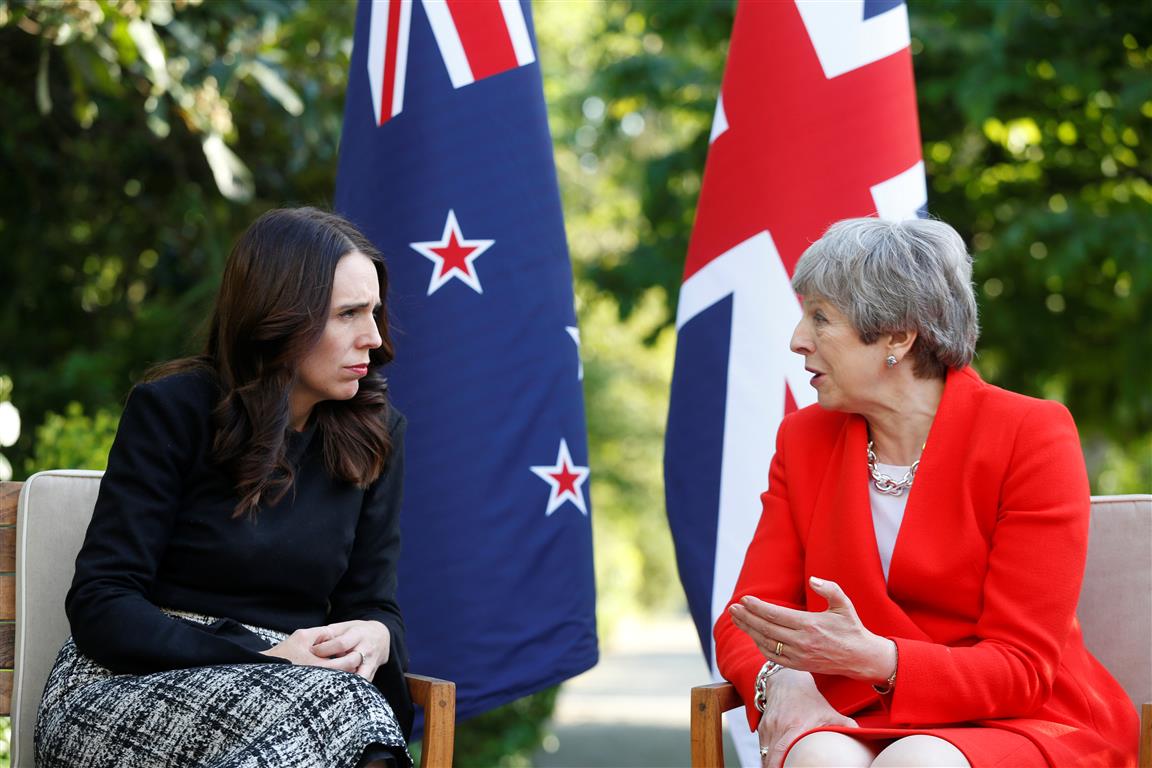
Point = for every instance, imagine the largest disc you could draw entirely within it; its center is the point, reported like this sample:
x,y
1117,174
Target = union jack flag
x,y
475,40
816,122
446,163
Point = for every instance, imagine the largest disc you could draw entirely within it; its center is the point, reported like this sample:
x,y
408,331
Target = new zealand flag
x,y
446,164
816,122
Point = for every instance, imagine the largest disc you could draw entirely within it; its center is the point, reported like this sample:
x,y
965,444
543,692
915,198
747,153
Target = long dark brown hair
x,y
271,310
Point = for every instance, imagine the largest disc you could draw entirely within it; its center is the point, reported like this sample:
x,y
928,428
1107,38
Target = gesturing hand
x,y
832,642
794,706
351,646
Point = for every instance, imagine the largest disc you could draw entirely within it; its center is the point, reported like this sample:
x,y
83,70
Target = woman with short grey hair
x,y
909,595
891,276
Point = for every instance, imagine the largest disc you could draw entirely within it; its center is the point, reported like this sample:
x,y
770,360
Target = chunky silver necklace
x,y
886,484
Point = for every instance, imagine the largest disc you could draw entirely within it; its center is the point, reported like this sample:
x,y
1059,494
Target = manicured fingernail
x,y
816,582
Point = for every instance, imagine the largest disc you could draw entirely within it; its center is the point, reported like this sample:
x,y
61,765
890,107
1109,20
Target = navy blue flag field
x,y
446,164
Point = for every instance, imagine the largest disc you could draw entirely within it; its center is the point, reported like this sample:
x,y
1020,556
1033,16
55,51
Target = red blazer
x,y
984,580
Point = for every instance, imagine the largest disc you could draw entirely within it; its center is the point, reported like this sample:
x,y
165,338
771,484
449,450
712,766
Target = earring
x,y
891,361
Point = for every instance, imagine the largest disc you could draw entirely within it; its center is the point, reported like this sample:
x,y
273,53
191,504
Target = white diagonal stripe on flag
x,y
844,40
380,56
377,42
902,196
401,57
448,40
518,31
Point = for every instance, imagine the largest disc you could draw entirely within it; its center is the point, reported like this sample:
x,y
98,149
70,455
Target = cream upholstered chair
x,y
1115,614
48,536
1116,599
39,539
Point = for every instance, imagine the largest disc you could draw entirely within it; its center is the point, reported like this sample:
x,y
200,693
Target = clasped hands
x,y
357,646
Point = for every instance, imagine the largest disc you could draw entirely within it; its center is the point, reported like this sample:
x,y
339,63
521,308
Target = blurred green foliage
x,y
139,137
627,385
1036,118
124,129
1037,145
74,440
507,736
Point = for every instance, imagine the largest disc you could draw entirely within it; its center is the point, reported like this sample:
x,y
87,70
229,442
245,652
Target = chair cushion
x,y
1115,608
52,517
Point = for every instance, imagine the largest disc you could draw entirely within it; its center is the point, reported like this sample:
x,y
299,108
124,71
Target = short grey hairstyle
x,y
890,276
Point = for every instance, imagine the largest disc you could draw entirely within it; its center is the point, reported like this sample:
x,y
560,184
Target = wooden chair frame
x,y
436,697
710,702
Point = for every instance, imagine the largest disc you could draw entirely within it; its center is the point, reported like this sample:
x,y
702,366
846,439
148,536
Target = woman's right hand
x,y
297,648
794,705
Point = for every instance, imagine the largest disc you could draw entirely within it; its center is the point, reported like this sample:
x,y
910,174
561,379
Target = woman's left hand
x,y
371,640
831,642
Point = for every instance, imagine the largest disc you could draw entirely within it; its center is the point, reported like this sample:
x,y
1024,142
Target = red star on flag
x,y
567,481
453,256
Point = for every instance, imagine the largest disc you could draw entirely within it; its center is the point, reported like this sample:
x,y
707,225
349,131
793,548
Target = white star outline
x,y
452,232
557,496
574,332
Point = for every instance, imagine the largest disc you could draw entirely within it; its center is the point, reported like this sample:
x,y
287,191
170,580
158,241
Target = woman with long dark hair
x,y
234,600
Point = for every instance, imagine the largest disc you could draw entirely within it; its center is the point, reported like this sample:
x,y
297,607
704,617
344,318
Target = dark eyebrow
x,y
358,305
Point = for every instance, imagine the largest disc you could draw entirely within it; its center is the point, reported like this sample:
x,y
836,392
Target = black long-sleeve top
x,y
163,535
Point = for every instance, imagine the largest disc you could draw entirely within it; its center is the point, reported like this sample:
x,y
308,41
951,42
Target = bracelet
x,y
891,681
770,668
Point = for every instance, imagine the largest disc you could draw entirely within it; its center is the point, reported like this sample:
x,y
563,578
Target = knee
x,y
825,748
921,751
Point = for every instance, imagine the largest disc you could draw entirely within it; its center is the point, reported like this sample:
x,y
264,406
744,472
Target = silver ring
x,y
764,752
779,648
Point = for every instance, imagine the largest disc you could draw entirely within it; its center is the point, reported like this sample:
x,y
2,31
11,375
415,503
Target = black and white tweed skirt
x,y
227,716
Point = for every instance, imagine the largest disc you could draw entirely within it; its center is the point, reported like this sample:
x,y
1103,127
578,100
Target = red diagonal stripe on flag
x,y
390,62
791,131
484,35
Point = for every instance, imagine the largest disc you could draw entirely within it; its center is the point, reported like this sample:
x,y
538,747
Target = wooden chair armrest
x,y
709,703
438,699
1145,755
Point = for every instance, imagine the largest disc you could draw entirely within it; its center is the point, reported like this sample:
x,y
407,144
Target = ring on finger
x,y
764,752
779,648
